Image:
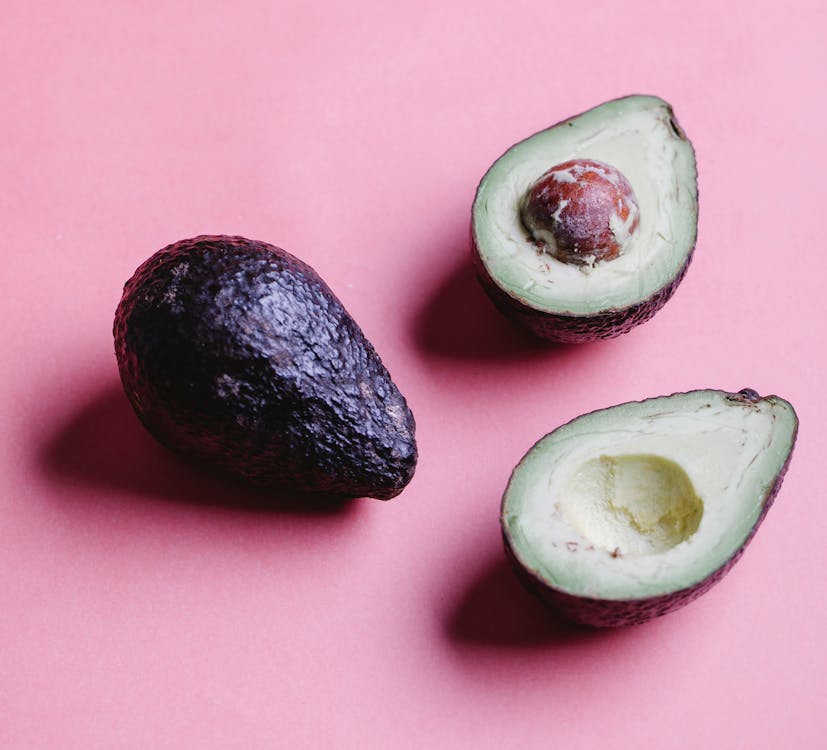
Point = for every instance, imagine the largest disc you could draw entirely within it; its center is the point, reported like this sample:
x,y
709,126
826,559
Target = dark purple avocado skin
x,y
236,354
614,613
575,329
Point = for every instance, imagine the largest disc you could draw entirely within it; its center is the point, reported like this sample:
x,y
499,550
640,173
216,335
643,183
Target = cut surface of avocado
x,y
647,498
637,135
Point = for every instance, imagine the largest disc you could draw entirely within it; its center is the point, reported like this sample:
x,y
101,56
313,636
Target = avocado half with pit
x,y
584,230
631,512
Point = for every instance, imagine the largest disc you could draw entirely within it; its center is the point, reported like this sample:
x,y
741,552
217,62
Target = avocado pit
x,y
581,212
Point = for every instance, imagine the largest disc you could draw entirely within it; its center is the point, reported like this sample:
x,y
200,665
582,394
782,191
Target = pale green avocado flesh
x,y
647,498
639,136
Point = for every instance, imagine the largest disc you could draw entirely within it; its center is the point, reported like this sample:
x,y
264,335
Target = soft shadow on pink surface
x,y
496,612
458,320
104,445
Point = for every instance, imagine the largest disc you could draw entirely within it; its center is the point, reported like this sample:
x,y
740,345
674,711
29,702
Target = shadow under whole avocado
x,y
237,354
102,447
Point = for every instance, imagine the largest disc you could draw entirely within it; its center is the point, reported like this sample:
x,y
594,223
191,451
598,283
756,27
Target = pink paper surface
x,y
143,604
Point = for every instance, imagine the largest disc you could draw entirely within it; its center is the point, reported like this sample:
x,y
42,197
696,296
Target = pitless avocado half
x,y
584,230
631,512
236,354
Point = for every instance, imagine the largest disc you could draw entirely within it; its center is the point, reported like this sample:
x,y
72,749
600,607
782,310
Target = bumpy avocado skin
x,y
615,613
575,329
237,354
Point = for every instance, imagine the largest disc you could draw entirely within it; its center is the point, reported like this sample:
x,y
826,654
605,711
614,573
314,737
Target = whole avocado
x,y
236,354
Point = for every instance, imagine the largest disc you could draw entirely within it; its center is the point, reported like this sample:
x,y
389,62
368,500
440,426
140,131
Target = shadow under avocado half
x,y
496,611
104,445
458,320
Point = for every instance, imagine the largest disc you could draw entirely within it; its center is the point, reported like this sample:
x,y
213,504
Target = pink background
x,y
144,605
